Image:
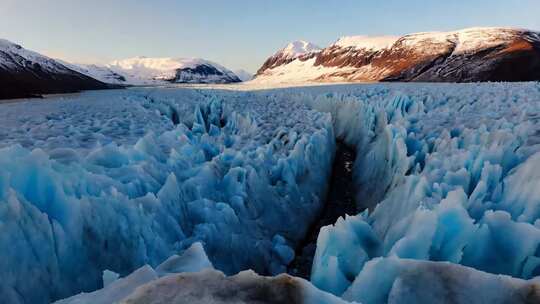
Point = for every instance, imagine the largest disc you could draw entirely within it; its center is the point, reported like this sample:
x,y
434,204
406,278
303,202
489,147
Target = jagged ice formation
x,y
446,175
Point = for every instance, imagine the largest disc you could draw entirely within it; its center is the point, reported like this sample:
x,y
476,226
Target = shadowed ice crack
x,y
339,201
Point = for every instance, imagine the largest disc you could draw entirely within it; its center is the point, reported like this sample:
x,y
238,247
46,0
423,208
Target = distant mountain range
x,y
151,71
470,55
24,73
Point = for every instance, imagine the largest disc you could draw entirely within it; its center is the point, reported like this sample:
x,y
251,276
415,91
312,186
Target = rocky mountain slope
x,y
301,50
475,54
24,73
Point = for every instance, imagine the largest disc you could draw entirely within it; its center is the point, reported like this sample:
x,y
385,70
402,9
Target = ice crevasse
x,y
448,173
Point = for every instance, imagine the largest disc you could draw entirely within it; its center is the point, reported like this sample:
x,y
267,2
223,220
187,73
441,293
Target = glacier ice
x,y
394,280
190,278
115,291
119,179
109,277
447,175
446,172
193,259
382,280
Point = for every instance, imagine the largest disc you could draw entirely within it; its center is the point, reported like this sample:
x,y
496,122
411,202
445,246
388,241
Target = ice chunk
x,y
211,286
347,246
109,277
392,281
193,259
115,291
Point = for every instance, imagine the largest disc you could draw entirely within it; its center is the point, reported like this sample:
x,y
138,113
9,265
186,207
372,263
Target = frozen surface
x,y
193,259
119,179
447,172
397,281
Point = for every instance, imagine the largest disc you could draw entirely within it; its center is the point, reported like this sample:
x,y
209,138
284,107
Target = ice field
x,y
446,182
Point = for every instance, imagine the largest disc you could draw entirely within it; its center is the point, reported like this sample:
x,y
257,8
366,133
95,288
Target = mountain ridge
x,y
25,73
469,55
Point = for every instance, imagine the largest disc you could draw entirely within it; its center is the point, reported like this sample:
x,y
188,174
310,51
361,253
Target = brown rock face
x,y
479,54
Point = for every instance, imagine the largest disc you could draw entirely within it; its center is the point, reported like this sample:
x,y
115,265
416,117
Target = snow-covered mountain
x,y
297,50
151,71
25,73
159,71
474,54
243,75
99,72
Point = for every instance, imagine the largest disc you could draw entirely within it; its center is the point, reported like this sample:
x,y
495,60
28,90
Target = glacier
x,y
444,173
445,182
118,180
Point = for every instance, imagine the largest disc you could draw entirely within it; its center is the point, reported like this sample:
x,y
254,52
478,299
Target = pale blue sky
x,y
237,34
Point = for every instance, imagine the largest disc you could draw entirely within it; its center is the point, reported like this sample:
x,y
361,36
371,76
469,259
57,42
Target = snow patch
x,y
371,43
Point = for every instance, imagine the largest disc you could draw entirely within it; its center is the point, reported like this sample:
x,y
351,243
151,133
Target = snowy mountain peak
x,y
366,42
300,47
295,50
472,54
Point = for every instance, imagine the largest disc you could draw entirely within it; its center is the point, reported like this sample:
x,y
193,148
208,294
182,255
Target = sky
x,y
238,34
